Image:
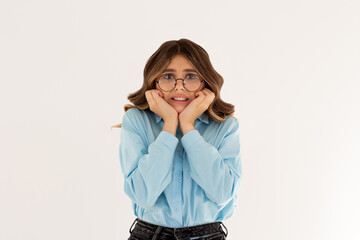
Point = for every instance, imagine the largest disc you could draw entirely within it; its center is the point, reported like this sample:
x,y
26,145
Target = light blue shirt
x,y
180,181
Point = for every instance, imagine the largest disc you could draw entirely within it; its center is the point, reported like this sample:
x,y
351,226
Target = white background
x,y
291,68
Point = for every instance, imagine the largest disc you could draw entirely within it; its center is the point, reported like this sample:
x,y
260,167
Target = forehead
x,y
179,62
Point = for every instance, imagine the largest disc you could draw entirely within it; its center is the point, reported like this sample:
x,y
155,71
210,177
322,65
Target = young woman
x,y
180,148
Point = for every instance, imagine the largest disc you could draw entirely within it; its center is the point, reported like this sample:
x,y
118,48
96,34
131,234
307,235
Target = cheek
x,y
167,98
190,100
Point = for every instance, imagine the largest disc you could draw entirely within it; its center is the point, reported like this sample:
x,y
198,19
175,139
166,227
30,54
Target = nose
x,y
177,86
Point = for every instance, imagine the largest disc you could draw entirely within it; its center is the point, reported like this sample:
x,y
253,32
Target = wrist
x,y
170,126
171,121
186,123
186,127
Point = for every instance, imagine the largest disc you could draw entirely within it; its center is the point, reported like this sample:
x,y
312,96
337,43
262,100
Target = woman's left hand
x,y
196,107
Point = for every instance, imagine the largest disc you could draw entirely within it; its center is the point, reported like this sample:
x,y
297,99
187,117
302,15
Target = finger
x,y
199,94
203,103
209,94
157,95
204,94
149,97
207,91
160,93
209,97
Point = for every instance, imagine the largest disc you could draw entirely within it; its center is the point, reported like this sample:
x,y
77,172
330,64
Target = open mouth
x,y
180,100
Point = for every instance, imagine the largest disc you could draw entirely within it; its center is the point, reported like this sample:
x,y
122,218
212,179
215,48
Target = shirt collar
x,y
204,118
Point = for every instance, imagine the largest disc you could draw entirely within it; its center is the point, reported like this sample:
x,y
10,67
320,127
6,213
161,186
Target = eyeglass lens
x,y
191,82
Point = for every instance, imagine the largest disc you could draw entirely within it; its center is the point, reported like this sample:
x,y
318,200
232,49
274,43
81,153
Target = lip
x,y
180,102
179,96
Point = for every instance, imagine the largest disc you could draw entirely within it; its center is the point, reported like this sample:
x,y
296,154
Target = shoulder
x,y
135,113
132,112
229,125
229,121
135,117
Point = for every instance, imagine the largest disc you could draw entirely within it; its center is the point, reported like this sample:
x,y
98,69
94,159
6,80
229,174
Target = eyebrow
x,y
185,70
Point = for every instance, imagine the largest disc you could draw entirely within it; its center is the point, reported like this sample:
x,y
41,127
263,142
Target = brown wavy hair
x,y
157,63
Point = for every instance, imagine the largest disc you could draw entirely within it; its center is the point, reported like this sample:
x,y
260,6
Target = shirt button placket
x,y
177,187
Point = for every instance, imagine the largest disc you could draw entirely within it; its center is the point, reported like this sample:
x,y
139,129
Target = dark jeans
x,y
147,231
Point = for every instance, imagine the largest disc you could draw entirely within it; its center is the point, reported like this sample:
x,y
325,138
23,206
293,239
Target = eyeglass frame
x,y
182,79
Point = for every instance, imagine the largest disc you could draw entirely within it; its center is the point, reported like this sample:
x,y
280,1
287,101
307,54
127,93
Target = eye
x,y
191,76
168,76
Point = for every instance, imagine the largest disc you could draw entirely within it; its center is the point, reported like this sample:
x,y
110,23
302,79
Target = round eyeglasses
x,y
167,82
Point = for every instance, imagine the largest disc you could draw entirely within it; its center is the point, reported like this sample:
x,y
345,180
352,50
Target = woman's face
x,y
178,65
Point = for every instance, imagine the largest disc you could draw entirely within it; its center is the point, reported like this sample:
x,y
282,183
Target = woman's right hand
x,y
158,105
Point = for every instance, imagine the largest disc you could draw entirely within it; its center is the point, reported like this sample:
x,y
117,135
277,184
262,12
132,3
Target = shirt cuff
x,y
191,139
167,139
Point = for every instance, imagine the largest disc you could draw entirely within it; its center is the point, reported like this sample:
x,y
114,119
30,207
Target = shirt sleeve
x,y
147,170
217,171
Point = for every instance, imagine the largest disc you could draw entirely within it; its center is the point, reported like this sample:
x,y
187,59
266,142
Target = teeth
x,y
180,99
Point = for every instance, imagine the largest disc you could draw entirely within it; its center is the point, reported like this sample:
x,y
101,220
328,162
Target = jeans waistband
x,y
195,227
214,225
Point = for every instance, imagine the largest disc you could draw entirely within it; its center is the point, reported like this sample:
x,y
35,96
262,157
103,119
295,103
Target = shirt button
x,y
176,208
178,179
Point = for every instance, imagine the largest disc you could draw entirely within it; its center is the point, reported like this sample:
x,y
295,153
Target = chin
x,y
179,109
